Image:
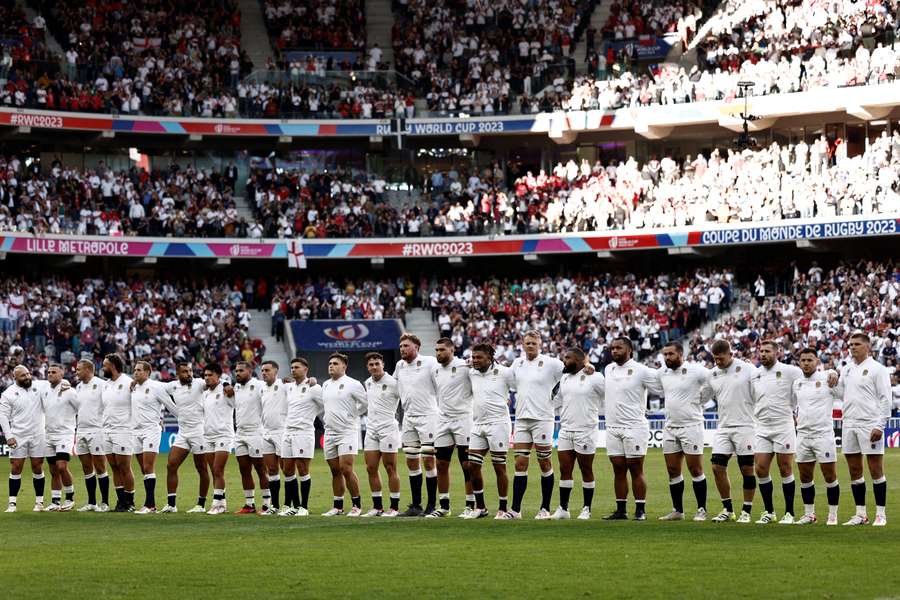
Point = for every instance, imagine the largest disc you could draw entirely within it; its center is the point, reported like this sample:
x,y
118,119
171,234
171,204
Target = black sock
x,y
305,484
747,507
275,491
470,503
356,501
129,498
150,489
38,486
201,500
479,500
503,504
339,503
445,503
859,492
520,484
70,495
640,507
291,492
91,484
431,490
765,490
588,493
879,489
727,505
103,483
395,502
415,488
170,498
120,495
808,494
217,496
547,482
620,506
700,493
376,502
14,486
789,490
834,495
564,492
676,490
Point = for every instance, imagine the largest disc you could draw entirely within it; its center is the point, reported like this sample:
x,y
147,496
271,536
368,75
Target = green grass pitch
x,y
198,556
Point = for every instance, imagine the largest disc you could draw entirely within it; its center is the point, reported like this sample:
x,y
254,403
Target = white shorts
x,y
532,431
491,436
89,442
383,439
118,443
147,440
57,445
453,432
734,440
819,448
419,430
688,440
630,442
582,442
192,441
298,444
248,444
341,444
780,441
271,442
218,444
855,440
30,447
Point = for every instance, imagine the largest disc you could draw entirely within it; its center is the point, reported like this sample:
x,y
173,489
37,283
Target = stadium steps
x,y
242,204
379,21
419,323
708,329
598,20
261,327
51,42
254,35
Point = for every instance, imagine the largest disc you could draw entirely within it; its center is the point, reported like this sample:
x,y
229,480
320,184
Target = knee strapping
x,y
745,460
544,454
522,453
498,459
476,459
444,453
749,482
720,459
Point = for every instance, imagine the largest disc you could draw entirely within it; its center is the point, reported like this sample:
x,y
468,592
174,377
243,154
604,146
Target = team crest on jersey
x,y
496,371
303,390
865,372
251,387
583,377
276,388
684,371
418,363
218,396
737,369
777,374
147,391
827,453
631,371
384,388
540,363
95,387
453,370
818,384
120,386
340,387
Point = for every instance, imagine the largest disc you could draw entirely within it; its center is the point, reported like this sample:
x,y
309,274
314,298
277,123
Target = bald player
x,y
22,423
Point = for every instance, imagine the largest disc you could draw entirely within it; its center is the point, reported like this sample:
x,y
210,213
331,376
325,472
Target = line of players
x,y
449,404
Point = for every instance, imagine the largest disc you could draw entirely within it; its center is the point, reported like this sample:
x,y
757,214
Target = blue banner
x,y
647,49
362,335
786,233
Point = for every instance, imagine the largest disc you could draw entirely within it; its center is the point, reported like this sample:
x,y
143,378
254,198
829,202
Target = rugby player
x,y
187,393
118,430
304,403
22,423
60,404
274,409
382,435
248,444
148,398
89,441
218,431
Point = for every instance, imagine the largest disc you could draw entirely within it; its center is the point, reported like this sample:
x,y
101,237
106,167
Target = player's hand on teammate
x,y
12,443
312,381
133,384
832,379
229,390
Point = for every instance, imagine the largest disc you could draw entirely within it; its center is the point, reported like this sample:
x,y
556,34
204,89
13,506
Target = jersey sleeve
x,y
558,367
509,377
162,396
359,395
5,414
652,381
599,385
883,390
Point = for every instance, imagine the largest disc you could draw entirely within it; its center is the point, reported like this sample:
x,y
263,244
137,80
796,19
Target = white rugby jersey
x,y
60,408
535,380
344,400
274,406
22,410
815,403
117,408
383,398
218,413
454,389
683,389
90,404
626,393
148,400
188,404
304,404
417,392
772,396
490,393
866,390
248,406
580,400
732,391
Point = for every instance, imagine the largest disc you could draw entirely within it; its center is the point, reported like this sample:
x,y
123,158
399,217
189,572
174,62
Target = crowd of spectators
x,y
316,24
630,19
57,319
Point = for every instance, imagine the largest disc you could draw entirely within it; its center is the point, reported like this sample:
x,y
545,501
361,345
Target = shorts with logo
x,y
89,442
782,440
383,439
630,442
271,442
29,447
533,431
192,441
218,444
734,440
816,447
688,440
341,444
582,442
855,440
147,440
491,436
248,444
419,430
298,443
118,443
54,445
453,432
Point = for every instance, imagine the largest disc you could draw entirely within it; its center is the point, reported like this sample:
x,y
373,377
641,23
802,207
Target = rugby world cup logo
x,y
893,440
347,333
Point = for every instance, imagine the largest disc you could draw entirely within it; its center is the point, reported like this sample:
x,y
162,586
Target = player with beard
x,y
118,430
218,431
274,409
304,403
22,423
148,398
248,442
60,407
